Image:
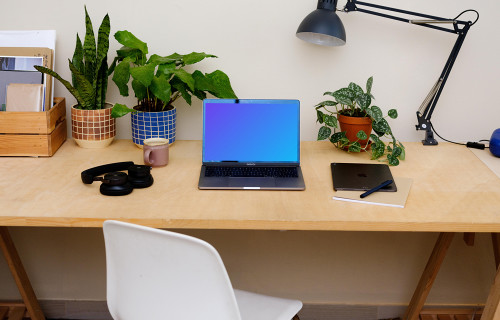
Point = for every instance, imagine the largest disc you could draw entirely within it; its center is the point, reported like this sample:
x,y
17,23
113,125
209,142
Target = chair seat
x,y
257,306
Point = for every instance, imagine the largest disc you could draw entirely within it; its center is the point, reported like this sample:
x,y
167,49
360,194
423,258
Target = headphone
x,y
117,183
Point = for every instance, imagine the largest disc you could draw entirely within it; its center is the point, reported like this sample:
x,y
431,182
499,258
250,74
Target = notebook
x,y
251,144
361,176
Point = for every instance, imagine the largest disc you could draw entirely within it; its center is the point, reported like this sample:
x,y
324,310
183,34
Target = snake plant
x,y
89,67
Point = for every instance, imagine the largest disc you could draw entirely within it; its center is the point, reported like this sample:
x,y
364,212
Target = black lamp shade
x,y
323,27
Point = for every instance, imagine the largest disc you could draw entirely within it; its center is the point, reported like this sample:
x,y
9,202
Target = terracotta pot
x,y
93,128
352,125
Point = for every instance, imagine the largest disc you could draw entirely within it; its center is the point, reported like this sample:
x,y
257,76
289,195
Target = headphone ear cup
x,y
116,184
140,176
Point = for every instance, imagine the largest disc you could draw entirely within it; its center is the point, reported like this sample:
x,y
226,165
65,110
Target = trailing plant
x,y
159,81
89,67
355,102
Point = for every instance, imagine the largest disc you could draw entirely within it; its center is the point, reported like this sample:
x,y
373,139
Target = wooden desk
x,y
452,191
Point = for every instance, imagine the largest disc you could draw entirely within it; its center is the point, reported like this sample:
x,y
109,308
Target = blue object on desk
x,y
495,143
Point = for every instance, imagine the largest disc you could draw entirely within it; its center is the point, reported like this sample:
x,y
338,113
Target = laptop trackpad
x,y
252,182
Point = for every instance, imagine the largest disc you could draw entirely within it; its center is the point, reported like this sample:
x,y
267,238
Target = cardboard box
x,y
33,133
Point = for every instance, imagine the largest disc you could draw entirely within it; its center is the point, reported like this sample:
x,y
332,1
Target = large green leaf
x,y
180,86
327,103
222,84
159,60
89,49
361,135
126,38
103,42
319,116
201,82
140,91
393,113
354,147
144,74
185,77
119,110
161,88
195,57
330,121
337,136
376,113
121,76
381,127
364,100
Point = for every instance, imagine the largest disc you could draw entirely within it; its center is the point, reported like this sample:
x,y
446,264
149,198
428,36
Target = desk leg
x,y
429,275
19,274
491,309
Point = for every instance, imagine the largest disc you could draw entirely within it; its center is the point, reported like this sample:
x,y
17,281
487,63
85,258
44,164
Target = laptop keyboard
x,y
275,172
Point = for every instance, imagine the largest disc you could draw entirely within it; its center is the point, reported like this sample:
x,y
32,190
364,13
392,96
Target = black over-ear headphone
x,y
116,183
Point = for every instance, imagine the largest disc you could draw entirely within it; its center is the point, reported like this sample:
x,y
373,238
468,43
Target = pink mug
x,y
156,152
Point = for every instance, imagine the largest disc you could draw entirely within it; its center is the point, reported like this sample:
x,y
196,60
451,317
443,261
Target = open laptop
x,y
251,144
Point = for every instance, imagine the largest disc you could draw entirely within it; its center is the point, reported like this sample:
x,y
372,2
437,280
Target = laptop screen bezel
x,y
252,163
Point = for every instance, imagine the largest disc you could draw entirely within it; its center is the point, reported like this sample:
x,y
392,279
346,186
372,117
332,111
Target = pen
x,y
380,186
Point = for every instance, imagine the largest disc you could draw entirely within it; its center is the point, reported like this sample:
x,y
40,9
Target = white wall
x,y
256,44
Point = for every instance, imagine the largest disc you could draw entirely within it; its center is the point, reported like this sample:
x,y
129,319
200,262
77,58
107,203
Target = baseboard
x,y
98,310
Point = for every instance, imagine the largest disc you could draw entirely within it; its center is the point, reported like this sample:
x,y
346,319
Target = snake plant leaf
x,y
78,59
180,86
86,88
393,113
144,74
195,57
161,88
119,110
140,91
369,84
89,49
127,39
102,84
185,77
103,42
121,76
358,91
221,81
65,83
344,96
324,132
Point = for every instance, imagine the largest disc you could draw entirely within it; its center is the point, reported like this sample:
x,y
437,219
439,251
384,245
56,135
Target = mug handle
x,y
147,160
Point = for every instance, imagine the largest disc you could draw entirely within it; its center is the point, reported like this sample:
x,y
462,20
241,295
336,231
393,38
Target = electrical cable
x,y
469,10
475,145
437,134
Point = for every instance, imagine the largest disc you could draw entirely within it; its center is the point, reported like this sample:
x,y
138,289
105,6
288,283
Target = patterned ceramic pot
x,y
147,125
93,128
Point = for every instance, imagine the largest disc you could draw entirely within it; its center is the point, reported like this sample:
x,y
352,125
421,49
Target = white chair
x,y
156,274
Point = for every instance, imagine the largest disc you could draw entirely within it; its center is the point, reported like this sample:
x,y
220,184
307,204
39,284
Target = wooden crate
x,y
33,133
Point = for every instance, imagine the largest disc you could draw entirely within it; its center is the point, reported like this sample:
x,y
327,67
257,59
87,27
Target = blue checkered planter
x,y
153,125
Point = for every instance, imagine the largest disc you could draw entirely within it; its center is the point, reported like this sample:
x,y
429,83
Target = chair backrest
x,y
156,274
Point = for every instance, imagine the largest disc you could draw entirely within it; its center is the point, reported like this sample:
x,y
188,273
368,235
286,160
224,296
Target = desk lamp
x,y
323,27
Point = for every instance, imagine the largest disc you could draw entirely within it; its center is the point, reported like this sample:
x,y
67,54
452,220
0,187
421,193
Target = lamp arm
x,y
425,111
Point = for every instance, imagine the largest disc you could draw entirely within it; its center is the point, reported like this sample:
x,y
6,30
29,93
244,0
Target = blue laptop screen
x,y
251,130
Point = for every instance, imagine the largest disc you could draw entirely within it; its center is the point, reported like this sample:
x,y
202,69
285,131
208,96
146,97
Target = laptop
x,y
361,176
251,144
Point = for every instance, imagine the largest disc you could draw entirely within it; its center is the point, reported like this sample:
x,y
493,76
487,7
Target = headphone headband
x,y
89,174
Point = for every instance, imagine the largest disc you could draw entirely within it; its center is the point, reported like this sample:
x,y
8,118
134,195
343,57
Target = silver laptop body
x,y
251,144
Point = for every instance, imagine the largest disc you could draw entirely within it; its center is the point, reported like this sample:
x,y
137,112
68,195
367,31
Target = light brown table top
x,y
452,190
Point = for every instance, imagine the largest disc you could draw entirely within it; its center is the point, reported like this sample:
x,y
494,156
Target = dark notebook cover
x,y
361,176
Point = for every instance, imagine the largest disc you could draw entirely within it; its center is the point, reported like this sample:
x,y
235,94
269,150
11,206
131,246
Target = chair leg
x,y
296,317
